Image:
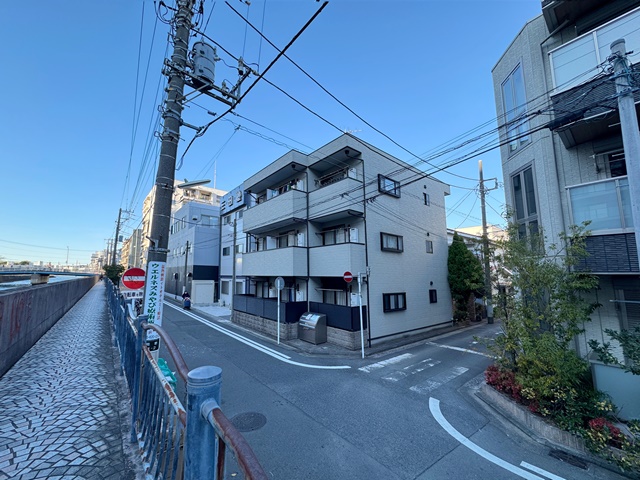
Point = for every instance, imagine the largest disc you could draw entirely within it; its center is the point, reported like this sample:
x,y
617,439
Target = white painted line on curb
x,y
539,470
466,350
434,406
384,363
258,346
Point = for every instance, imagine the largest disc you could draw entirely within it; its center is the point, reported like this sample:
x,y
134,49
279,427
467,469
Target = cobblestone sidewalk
x,y
63,405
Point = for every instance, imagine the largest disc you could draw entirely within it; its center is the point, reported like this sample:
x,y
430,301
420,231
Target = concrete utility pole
x,y
629,127
115,239
161,218
488,294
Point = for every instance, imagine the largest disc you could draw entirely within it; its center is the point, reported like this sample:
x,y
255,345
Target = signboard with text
x,y
154,294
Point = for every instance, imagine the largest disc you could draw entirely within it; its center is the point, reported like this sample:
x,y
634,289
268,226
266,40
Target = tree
x,y
465,278
113,272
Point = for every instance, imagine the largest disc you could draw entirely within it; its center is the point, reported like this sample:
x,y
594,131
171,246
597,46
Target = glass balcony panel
x,y
598,202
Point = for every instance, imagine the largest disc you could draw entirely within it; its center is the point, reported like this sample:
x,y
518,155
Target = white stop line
x,y
434,406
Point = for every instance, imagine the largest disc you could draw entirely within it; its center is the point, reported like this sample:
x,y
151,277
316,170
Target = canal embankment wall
x,y
28,313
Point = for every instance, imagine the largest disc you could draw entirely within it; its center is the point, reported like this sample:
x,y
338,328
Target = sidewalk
x,y
65,404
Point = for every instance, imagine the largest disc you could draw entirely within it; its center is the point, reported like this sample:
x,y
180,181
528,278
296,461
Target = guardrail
x,y
174,442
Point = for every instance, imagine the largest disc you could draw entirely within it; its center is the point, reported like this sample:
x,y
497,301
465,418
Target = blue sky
x,y
82,85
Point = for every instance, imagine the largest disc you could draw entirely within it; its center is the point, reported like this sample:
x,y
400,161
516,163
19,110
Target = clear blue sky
x,y
74,80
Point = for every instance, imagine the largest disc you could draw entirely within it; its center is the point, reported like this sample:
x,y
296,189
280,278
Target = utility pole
x,y
629,127
488,294
186,258
233,271
161,218
115,239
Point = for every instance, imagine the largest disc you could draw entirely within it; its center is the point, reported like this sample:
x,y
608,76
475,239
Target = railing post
x,y
135,400
201,442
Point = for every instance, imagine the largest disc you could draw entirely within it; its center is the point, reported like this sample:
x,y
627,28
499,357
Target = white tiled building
x,y
563,159
347,207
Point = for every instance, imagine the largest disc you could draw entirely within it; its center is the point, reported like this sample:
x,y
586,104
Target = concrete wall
x,y
27,314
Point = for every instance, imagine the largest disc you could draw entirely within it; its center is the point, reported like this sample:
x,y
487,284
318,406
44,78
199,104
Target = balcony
x,y
277,212
578,60
606,204
559,12
283,262
334,260
337,199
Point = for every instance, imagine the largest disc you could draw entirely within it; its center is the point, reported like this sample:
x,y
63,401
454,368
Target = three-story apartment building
x,y
562,156
347,207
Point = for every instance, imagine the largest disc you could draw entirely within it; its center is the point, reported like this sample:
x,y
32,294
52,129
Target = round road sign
x,y
347,277
133,278
279,283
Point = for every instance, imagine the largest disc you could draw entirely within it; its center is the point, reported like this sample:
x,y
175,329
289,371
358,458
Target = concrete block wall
x,y
27,314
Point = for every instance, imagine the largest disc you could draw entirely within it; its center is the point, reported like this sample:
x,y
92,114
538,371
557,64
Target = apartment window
x,y
617,164
427,200
226,251
224,287
393,302
207,220
391,243
334,297
524,197
227,219
433,296
388,186
515,109
240,248
429,246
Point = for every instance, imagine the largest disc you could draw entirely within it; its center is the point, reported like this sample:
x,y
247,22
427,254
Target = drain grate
x,y
247,422
568,458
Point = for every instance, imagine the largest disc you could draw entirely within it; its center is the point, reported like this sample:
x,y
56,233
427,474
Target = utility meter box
x,y
312,328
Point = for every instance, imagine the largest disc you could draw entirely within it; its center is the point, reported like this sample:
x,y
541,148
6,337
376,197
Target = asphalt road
x,y
408,413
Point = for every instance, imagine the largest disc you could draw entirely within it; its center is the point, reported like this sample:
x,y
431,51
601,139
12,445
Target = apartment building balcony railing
x,y
284,262
607,205
279,211
334,260
290,312
578,60
338,196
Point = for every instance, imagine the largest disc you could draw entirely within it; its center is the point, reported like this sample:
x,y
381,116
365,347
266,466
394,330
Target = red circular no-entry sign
x,y
133,278
347,277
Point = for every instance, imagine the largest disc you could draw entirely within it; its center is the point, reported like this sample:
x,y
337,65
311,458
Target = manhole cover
x,y
247,422
570,459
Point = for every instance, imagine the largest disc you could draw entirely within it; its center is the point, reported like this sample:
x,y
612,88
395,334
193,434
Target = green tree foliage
x,y
113,272
465,278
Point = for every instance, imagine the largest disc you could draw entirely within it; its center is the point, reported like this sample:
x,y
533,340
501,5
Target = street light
x,y
192,183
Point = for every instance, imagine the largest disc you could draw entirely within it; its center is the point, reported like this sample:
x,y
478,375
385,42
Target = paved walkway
x,y
64,405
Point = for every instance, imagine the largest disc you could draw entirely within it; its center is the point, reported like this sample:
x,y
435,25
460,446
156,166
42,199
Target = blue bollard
x,y
201,442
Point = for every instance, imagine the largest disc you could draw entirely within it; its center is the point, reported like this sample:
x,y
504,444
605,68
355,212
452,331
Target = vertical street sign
x,y
279,286
153,299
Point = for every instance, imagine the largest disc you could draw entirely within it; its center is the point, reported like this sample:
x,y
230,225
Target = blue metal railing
x,y
175,443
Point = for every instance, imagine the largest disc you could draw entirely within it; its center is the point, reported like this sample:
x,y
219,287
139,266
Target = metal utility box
x,y
312,328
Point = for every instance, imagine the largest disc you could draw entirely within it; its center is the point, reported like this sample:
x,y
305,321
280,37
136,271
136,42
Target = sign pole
x,y
279,286
360,307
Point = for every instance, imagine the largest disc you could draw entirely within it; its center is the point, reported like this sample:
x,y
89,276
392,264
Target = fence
x,y
174,442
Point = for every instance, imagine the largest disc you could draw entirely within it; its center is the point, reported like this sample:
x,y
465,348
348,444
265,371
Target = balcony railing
x,y
577,61
606,204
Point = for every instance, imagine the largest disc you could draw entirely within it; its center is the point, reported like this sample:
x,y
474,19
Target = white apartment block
x,y
563,159
233,245
347,207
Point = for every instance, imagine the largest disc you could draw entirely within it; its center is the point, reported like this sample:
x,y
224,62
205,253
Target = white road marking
x,y
258,346
384,363
437,380
411,370
434,406
539,470
466,350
